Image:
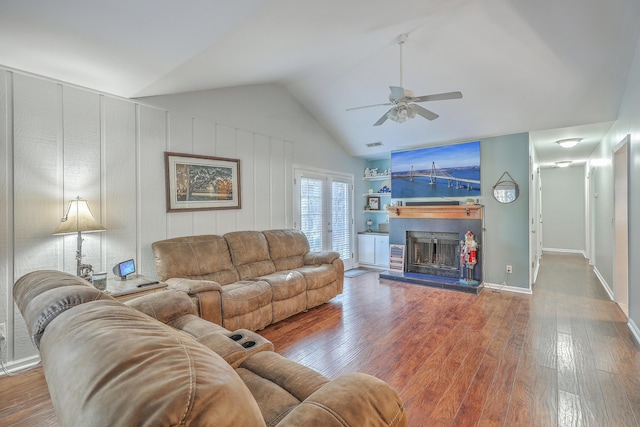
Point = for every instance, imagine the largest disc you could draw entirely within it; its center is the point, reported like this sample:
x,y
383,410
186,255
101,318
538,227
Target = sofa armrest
x,y
353,399
164,306
323,257
205,294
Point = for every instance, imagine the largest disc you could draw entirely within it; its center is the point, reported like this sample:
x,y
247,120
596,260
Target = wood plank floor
x,y
560,357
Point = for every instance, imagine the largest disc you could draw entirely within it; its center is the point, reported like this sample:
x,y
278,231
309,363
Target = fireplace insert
x,y
435,253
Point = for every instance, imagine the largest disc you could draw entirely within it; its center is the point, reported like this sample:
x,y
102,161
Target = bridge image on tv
x,y
442,171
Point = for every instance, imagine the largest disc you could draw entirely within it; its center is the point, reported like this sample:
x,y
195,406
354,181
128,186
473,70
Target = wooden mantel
x,y
439,212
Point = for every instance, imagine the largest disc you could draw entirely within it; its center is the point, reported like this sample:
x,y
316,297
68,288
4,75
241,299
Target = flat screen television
x,y
441,171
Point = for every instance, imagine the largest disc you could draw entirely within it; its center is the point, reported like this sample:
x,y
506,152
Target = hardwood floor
x,y
560,357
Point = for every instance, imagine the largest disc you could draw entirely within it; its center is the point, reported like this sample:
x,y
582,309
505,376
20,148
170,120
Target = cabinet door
x,y
382,251
366,249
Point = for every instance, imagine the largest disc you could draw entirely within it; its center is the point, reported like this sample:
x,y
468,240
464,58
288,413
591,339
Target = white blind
x,y
311,206
341,219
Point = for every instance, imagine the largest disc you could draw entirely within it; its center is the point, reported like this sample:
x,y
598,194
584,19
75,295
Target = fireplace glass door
x,y
433,253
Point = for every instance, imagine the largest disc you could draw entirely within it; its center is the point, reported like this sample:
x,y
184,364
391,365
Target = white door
x,y
324,211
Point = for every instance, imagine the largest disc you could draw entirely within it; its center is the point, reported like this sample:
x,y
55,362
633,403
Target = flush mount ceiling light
x,y
563,164
569,142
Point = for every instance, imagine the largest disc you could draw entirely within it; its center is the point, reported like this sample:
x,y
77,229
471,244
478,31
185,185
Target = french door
x,y
324,211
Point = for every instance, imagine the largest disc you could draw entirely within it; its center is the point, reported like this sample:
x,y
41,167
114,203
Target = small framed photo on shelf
x,y
374,203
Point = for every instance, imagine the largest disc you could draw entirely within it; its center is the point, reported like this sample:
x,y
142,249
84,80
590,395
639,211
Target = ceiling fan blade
x,y
437,97
429,115
396,92
383,119
368,106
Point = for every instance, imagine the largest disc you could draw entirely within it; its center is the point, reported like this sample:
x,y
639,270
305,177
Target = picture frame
x,y
198,183
374,203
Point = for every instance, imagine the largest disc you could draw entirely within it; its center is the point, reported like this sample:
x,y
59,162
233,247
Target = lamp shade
x,y
78,218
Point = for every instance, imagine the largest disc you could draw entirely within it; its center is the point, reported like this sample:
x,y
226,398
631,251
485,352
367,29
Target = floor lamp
x,y
78,218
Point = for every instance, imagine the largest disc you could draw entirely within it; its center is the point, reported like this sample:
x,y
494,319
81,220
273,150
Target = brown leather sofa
x,y
153,362
249,279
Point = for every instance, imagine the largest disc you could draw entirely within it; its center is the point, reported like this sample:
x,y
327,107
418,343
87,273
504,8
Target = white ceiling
x,y
554,68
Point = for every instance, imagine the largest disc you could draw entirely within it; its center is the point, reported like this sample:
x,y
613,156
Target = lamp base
x,y
84,271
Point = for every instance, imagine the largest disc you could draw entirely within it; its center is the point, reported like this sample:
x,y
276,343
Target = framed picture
x,y
197,183
374,203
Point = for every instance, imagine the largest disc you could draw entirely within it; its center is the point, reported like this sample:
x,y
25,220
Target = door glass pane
x,y
341,219
311,211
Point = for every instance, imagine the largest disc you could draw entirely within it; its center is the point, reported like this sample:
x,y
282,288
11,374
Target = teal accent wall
x,y
506,236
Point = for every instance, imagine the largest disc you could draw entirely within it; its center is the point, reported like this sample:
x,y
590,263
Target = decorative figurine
x,y
369,224
468,258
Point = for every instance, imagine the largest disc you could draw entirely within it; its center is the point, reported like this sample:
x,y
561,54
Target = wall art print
x,y
197,182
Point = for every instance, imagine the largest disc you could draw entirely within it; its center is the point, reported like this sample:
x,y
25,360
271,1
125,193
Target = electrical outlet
x,y
509,269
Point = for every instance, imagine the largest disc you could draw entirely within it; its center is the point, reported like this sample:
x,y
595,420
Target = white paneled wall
x,y
58,142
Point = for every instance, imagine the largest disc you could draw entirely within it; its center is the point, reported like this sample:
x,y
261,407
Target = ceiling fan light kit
x,y
404,102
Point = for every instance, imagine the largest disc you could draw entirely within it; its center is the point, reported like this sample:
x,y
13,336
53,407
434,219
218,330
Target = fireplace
x,y
436,253
429,238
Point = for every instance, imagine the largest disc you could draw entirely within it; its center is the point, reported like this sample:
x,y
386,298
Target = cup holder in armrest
x,y
248,344
236,337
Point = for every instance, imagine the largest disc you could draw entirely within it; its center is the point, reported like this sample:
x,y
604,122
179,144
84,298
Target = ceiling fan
x,y
403,101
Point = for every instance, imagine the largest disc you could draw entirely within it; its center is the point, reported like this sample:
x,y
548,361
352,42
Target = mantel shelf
x,y
443,212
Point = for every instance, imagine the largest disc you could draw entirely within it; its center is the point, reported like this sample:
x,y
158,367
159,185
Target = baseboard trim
x,y
603,282
634,330
507,288
566,251
19,365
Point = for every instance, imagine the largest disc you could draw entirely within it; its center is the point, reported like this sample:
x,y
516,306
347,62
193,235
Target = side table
x,y
133,287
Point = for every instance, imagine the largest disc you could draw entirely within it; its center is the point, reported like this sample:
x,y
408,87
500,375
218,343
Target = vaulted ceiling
x,y
546,66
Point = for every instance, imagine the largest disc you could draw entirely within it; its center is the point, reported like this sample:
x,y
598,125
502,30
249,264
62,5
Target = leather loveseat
x,y
249,279
152,362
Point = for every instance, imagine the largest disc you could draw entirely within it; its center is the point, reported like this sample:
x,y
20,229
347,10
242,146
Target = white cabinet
x,y
382,251
373,249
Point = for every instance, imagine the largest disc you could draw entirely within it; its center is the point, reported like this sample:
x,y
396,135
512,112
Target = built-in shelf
x,y
377,177
445,212
376,194
383,211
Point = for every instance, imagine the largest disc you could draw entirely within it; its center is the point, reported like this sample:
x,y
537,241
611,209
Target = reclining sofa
x,y
249,279
153,362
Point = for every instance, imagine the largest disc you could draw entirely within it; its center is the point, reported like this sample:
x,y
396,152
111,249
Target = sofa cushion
x,y
43,295
130,368
246,303
191,257
285,284
250,253
318,276
38,282
278,384
287,248
289,293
